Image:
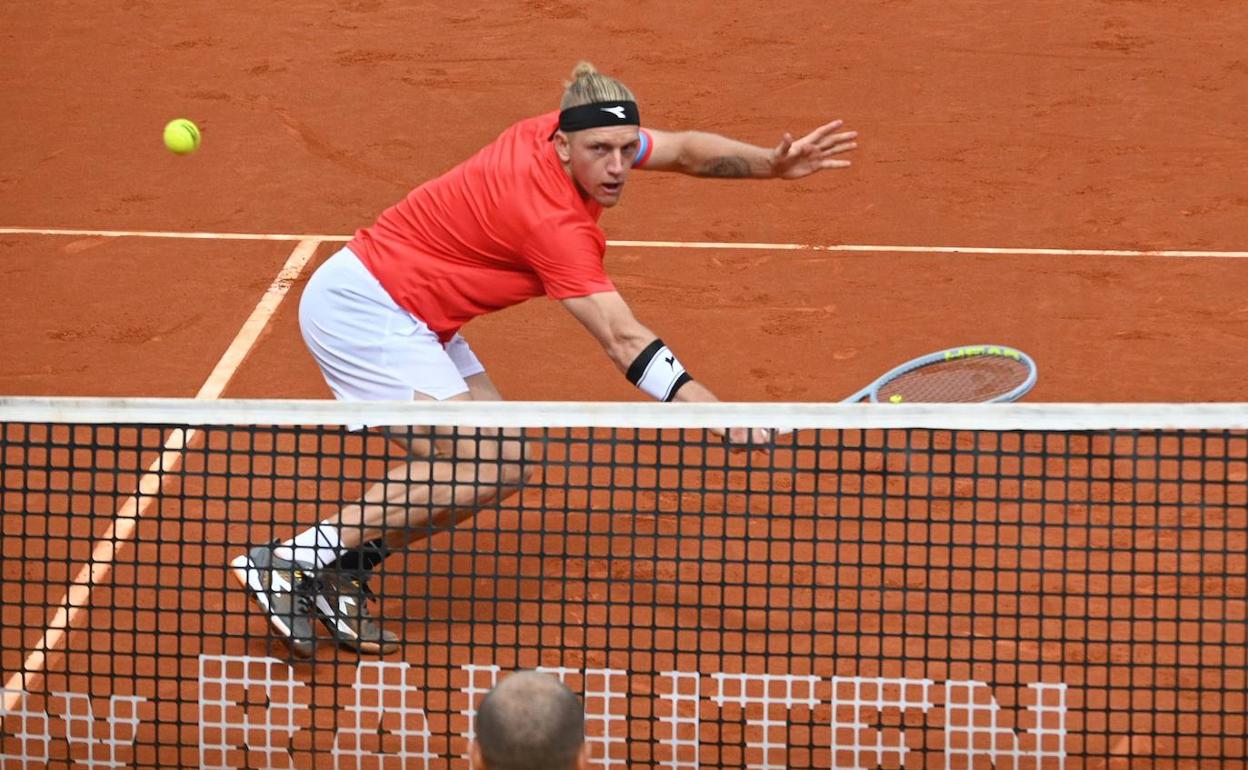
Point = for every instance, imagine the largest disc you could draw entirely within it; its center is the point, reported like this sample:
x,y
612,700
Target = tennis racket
x,y
966,374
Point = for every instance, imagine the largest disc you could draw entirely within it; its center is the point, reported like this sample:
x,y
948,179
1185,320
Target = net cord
x,y
569,414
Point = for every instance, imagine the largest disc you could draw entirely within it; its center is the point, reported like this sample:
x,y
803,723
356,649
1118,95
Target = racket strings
x,y
963,380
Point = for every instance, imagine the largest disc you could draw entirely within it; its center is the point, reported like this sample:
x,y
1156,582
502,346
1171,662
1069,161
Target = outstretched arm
x,y
609,319
641,355
710,155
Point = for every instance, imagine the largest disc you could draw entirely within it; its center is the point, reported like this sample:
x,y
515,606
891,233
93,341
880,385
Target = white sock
x,y
314,547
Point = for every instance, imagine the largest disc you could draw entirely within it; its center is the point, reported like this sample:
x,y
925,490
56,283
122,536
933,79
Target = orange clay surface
x,y
1089,124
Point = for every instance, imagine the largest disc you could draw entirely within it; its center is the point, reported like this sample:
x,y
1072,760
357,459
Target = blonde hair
x,y
588,85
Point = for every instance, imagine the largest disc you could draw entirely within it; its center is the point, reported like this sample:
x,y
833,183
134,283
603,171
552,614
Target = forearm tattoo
x,y
726,167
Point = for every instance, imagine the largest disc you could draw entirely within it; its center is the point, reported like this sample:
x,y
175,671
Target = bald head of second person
x,y
530,721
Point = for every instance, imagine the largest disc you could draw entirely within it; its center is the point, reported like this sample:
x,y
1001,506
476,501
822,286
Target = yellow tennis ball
x,y
182,136
895,398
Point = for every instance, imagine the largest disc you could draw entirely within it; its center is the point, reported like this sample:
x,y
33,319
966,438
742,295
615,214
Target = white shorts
x,y
369,348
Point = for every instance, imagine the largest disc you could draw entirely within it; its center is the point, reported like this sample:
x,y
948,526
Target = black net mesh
x,y
848,599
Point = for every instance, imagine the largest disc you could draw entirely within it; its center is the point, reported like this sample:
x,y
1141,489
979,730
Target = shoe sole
x,y
248,576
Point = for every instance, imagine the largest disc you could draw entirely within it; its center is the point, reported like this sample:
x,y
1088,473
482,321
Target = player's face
x,y
599,160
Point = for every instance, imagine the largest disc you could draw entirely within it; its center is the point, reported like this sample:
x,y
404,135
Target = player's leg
x,y
344,320
346,580
470,468
418,444
467,470
367,349
449,473
499,456
503,450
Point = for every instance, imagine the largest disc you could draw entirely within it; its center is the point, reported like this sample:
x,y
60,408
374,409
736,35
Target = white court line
x,y
725,246
171,234
848,247
123,526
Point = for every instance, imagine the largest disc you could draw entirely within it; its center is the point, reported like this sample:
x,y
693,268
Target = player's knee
x,y
516,472
517,449
504,475
512,476
525,473
503,458
515,458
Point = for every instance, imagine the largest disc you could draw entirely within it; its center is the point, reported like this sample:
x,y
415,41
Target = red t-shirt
x,y
504,226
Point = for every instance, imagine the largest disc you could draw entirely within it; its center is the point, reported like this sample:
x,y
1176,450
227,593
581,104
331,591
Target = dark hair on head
x,y
588,86
530,721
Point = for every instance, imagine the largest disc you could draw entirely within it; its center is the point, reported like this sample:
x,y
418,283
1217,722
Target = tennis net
x,y
909,586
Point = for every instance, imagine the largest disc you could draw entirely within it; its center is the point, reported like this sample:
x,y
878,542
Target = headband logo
x,y
616,111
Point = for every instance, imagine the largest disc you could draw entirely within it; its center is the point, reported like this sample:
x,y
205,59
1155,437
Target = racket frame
x,y
871,392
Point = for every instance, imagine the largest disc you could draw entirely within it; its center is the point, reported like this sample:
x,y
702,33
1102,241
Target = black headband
x,y
599,114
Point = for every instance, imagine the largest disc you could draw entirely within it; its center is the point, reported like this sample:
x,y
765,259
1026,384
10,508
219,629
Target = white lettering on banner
x,y
252,710
768,691
481,679
600,696
968,735
29,729
268,689
115,731
857,701
682,719
385,705
973,731
90,735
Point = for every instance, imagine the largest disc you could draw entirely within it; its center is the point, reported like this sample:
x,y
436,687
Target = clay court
x,y
1065,177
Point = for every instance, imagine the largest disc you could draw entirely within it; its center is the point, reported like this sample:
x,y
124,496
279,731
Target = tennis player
x,y
382,319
